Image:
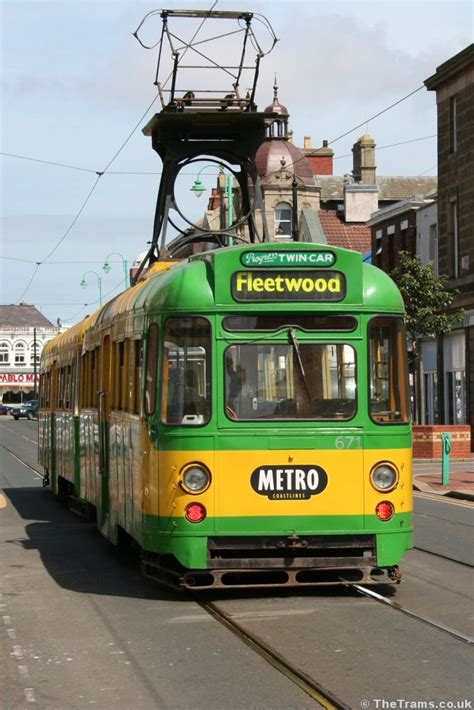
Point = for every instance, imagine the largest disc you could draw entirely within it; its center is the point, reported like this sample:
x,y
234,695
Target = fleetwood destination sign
x,y
304,285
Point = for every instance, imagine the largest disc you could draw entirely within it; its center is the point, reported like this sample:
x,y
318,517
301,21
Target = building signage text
x,y
18,378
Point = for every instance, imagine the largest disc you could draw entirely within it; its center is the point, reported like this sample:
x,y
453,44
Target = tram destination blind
x,y
288,286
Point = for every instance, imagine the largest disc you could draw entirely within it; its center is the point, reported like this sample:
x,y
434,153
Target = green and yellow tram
x,y
243,416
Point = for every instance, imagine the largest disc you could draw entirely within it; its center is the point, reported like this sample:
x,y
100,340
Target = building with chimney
x,y
452,356
331,209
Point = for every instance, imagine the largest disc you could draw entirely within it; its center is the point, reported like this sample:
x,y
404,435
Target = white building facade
x,y
24,332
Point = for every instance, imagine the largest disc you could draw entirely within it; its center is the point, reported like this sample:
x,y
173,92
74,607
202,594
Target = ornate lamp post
x,y
107,267
84,283
199,188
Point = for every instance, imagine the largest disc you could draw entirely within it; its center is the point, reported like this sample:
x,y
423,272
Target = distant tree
x,y
427,301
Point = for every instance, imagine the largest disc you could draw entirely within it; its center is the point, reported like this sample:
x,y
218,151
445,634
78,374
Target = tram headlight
x,y
195,478
384,477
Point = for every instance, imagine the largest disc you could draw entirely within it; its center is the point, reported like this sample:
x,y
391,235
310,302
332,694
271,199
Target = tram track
x,y
371,594
24,463
315,690
443,557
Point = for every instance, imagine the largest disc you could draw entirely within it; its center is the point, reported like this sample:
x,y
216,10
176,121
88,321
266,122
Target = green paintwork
x,y
102,452
188,541
249,438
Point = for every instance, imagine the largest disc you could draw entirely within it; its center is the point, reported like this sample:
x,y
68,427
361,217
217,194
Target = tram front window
x,y
290,381
388,371
186,371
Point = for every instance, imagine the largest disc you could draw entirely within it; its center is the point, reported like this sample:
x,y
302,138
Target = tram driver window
x,y
186,371
388,396
293,381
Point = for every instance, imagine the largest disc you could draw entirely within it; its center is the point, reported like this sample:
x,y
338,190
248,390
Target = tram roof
x,y
65,342
203,282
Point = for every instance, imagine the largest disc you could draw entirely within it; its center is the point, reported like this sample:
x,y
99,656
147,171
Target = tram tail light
x,y
195,512
385,510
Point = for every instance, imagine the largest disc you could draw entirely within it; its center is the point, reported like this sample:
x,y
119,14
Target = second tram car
x,y
243,416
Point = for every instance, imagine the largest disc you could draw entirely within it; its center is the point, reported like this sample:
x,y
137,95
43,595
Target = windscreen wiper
x,y
296,348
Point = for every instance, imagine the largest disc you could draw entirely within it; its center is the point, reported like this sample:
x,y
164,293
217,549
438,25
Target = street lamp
x,y
199,188
107,267
84,283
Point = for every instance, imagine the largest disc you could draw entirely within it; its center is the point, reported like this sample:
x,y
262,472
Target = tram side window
x,y
59,395
388,396
90,376
119,391
186,371
44,390
151,369
67,387
136,361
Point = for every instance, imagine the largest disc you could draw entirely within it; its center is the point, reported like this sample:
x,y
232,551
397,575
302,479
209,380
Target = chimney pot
x,y
308,143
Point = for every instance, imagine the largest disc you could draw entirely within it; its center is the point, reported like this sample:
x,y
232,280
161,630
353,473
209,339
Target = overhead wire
x,y
102,172
117,153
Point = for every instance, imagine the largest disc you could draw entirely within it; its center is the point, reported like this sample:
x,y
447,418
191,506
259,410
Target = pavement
x,y
427,477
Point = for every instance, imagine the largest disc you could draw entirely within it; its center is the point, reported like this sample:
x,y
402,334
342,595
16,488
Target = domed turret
x,y
278,153
279,126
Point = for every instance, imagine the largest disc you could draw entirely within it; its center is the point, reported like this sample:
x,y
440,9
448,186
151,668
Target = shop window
x,y
455,388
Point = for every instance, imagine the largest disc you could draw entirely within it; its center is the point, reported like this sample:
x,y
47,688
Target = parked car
x,y
28,410
5,409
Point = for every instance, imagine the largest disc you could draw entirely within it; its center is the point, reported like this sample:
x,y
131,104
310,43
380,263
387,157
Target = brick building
x,y
453,83
331,209
394,229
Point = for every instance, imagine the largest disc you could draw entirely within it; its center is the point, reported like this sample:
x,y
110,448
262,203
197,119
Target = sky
x,y
75,84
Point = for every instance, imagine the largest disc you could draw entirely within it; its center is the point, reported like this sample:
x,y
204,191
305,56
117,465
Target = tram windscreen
x,y
290,381
388,396
186,371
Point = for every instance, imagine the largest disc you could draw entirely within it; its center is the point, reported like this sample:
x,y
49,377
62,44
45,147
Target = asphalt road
x,y
81,627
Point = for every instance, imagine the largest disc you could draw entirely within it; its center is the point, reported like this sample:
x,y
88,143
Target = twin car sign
x,y
287,258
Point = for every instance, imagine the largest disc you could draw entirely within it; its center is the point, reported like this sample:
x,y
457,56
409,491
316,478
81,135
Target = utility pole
x,y
35,396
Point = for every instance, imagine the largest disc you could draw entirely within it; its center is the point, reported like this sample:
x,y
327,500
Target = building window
x,y
453,234
453,119
4,353
20,354
433,247
283,220
34,354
